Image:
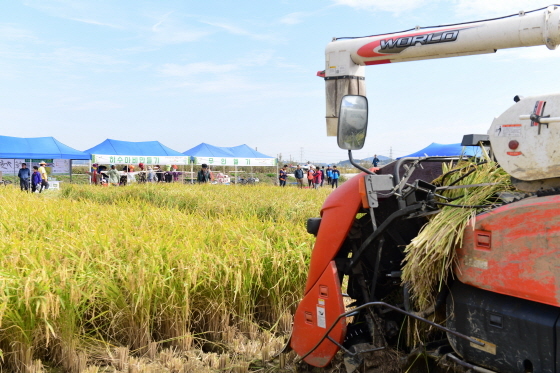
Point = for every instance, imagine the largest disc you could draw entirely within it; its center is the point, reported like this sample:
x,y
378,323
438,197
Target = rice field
x,y
166,278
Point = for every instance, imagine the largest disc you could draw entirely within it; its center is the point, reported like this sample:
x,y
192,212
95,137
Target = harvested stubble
x,y
91,275
430,255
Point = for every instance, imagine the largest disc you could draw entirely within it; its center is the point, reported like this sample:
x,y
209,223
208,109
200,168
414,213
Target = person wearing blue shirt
x,y
375,160
298,174
329,175
335,177
283,175
24,174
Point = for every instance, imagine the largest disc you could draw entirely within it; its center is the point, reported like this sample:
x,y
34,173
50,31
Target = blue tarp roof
x,y
241,151
445,150
207,150
37,148
145,148
247,152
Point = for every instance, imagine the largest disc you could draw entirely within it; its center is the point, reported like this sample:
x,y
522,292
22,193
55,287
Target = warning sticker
x,y
321,318
509,130
476,262
321,301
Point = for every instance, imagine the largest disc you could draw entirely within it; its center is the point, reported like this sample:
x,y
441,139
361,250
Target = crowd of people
x,y
144,174
101,175
315,176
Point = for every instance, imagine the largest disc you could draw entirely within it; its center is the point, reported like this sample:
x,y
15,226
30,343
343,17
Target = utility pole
x,y
391,153
301,155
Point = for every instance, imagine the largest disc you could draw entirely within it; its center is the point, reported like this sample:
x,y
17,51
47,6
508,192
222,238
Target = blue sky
x,y
235,72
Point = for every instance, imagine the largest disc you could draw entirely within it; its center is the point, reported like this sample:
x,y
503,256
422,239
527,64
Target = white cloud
x,y
11,32
95,106
178,36
235,30
175,70
80,56
75,10
93,22
260,58
228,84
168,31
394,6
292,18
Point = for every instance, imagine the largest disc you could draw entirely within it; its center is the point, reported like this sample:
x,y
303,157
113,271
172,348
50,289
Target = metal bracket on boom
x,y
540,119
376,183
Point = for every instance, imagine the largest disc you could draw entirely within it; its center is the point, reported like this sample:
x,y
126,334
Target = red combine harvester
x,y
502,306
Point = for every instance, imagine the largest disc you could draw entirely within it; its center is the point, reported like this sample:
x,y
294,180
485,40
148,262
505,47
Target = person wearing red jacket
x,y
318,178
310,176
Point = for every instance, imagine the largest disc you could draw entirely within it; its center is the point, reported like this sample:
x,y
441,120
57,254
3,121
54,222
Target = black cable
x,y
462,177
460,169
465,206
453,24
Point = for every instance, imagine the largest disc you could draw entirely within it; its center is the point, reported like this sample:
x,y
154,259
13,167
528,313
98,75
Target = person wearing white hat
x,y
44,176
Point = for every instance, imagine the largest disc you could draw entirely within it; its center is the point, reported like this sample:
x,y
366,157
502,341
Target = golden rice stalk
x,y
430,255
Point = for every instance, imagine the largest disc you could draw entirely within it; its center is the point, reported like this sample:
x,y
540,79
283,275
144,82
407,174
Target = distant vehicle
x,y
249,180
221,178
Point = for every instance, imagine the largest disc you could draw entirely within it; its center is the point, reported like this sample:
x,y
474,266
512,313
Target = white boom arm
x,y
345,58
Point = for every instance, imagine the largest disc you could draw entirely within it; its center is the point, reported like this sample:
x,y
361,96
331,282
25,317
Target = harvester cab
x,y
395,273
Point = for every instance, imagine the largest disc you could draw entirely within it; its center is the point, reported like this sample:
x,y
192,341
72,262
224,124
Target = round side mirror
x,y
352,122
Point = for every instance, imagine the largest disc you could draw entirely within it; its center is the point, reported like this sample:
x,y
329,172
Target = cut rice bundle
x,y
430,255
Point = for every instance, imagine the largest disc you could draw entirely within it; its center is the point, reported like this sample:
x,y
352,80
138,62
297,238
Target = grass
x,y
204,276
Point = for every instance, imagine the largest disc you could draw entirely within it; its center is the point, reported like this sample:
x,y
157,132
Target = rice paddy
x,y
174,277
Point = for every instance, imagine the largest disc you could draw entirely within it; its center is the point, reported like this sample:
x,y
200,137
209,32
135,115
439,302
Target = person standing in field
x,y
283,175
35,179
203,175
298,174
168,175
175,172
310,175
94,172
114,176
141,173
24,174
375,160
44,176
130,176
335,177
318,178
322,175
152,178
329,175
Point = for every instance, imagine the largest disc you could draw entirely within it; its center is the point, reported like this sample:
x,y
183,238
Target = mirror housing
x,y
352,122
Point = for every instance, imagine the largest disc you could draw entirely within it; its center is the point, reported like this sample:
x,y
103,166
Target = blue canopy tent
x,y
245,151
241,155
207,150
445,150
35,149
128,152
